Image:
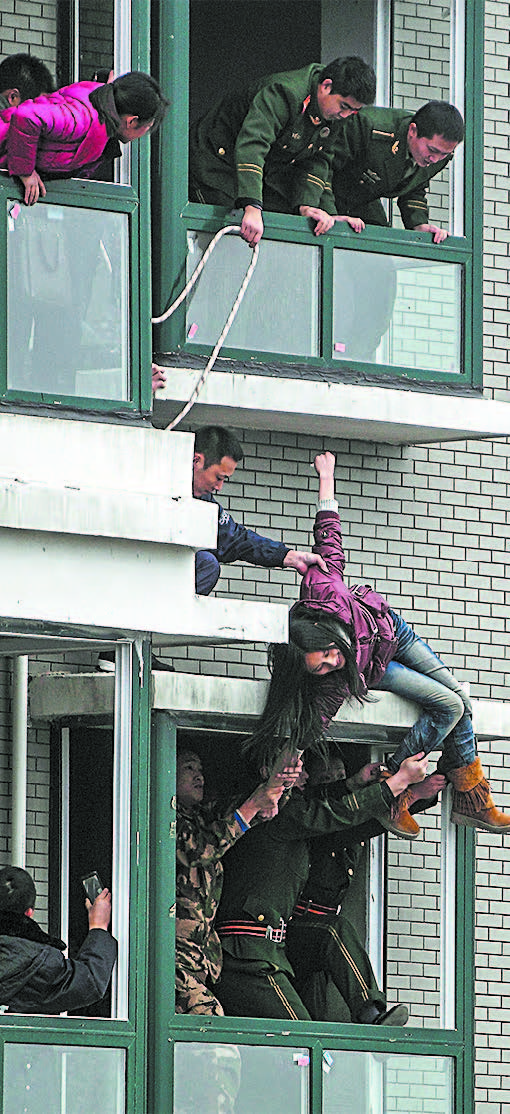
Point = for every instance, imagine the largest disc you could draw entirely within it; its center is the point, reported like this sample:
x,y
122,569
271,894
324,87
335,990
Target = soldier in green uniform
x,y
264,875
203,836
389,152
385,152
272,146
321,942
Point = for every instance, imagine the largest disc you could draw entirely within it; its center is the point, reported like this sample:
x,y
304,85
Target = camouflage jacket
x,y
203,837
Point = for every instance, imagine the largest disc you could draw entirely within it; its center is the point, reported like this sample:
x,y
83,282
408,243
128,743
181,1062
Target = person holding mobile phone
x,y
35,977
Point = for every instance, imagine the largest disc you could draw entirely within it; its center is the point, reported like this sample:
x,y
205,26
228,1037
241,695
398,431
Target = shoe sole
x,y
397,832
399,1015
472,822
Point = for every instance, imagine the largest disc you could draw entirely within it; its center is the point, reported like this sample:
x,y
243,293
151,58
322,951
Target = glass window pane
x,y
67,298
63,1078
227,1078
421,71
292,301
399,311
383,1083
413,956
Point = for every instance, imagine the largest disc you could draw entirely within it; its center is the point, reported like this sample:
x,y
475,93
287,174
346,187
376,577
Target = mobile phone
x,y
92,885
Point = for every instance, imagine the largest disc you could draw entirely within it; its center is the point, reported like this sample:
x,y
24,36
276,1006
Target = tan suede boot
x,y
400,822
472,803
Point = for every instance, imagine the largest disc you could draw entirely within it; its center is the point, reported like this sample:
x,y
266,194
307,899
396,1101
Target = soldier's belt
x,y
249,928
304,907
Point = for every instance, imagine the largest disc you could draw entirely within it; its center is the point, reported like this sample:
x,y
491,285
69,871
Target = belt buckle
x,y
277,935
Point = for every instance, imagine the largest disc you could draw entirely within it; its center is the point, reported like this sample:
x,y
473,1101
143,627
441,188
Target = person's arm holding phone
x,y
100,911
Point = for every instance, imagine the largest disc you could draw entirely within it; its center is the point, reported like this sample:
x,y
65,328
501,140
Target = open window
x,y
409,310
80,811
410,906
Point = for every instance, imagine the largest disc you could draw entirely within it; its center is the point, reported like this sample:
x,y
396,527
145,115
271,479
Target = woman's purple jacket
x,y
57,132
363,610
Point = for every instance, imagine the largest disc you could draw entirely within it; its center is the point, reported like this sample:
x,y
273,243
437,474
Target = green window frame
x,y
102,198
128,1034
133,23
167,1028
178,216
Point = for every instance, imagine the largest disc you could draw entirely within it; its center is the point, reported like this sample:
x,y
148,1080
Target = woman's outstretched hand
x,y
324,464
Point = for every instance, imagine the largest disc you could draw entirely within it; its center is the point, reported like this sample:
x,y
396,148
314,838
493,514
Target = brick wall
x,y
29,26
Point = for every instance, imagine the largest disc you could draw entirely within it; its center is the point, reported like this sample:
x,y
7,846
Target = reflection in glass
x,y
240,1079
421,71
413,959
383,1083
67,301
62,1078
284,289
399,311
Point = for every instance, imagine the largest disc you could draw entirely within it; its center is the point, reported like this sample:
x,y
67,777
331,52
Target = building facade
x,y
98,532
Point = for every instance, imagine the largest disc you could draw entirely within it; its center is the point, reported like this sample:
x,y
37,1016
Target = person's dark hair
x,y
439,118
215,442
291,716
27,74
17,890
352,77
138,94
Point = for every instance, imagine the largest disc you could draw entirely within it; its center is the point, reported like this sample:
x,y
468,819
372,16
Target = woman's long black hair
x,y
291,715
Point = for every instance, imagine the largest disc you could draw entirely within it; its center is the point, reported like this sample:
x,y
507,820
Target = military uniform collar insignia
x,y
395,147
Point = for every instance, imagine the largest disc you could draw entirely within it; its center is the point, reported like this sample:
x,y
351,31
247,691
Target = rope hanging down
x,y
230,319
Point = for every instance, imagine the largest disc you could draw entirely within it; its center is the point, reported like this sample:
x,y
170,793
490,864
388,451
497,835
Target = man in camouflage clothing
x,y
203,837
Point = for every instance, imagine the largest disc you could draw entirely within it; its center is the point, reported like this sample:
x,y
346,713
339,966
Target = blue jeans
x,y
207,572
445,723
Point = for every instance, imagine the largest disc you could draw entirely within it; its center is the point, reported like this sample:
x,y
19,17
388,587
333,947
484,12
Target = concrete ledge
x,y
343,410
59,579
95,455
235,704
110,514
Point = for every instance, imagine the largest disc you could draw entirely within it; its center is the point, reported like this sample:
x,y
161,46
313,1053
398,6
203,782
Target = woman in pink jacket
x,y
346,640
62,134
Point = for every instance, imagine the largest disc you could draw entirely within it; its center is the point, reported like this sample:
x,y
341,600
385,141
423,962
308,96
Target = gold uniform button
x,y
260,917
362,844
350,871
221,150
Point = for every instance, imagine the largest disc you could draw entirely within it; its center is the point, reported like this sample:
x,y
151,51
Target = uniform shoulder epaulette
x,y
377,133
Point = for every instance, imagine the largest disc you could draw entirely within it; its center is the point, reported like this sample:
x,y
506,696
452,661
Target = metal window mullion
x,y
457,94
121,823
64,832
448,870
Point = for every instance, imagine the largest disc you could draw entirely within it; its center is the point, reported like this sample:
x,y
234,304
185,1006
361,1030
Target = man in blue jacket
x,y
217,453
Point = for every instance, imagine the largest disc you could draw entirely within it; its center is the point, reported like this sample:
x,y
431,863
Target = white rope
x,y
230,319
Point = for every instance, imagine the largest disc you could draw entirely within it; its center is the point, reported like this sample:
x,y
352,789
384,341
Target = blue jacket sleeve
x,y
236,543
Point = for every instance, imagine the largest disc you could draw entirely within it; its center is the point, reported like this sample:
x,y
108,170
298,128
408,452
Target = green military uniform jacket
x,y
266,871
371,160
272,136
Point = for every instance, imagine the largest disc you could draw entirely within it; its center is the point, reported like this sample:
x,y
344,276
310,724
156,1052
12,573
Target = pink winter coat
x,y
57,132
364,611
